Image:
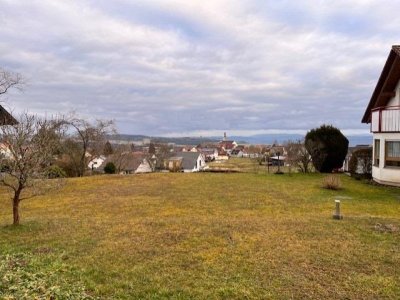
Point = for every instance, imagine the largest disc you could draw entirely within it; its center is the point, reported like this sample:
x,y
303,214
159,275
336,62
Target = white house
x,y
278,160
190,161
383,113
5,151
237,153
209,154
227,146
129,163
96,162
350,151
144,167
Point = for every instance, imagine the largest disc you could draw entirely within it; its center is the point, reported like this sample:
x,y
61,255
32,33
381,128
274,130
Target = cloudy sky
x,y
188,67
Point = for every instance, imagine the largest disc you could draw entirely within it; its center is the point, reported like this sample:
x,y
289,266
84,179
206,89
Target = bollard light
x,y
337,214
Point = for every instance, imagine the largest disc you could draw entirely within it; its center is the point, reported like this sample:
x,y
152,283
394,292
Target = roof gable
x,y
227,144
189,159
6,118
386,84
128,161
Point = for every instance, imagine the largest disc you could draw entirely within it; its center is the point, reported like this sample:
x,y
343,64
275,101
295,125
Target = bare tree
x,y
87,137
298,156
9,80
69,156
152,149
163,153
31,145
121,157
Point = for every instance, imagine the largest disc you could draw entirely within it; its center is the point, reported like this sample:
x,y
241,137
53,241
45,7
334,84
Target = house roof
x,y
178,148
6,118
227,144
128,161
387,82
222,152
236,151
189,159
207,150
350,150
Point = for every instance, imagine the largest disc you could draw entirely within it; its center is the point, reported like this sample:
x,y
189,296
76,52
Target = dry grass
x,y
216,236
332,182
246,165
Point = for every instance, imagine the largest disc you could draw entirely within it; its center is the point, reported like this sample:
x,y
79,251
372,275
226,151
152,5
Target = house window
x,y
377,152
392,153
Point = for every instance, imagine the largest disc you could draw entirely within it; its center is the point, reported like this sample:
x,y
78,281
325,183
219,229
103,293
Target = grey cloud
x,y
203,66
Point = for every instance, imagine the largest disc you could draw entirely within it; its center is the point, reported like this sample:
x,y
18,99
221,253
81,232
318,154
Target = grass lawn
x,y
247,165
205,236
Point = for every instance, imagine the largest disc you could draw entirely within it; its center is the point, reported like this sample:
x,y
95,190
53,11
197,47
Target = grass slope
x,y
214,236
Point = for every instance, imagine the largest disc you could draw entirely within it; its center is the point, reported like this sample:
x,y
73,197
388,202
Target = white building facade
x,y
383,113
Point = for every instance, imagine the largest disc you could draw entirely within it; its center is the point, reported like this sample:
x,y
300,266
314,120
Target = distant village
x,y
146,156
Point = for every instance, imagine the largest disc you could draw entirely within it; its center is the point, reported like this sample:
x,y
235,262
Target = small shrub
x,y
55,171
4,167
331,182
110,168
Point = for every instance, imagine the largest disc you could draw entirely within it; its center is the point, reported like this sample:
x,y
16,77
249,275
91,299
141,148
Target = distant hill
x,y
254,139
282,138
156,139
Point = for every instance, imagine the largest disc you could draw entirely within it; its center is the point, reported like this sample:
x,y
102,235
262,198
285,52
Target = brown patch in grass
x,y
17,263
386,228
42,250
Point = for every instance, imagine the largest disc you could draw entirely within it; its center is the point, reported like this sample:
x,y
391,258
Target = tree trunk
x,y
82,165
16,201
15,212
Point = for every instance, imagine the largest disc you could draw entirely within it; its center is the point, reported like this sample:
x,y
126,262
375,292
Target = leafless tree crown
x,y
9,80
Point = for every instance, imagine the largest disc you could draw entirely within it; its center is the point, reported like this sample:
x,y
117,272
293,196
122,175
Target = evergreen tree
x,y
108,149
327,147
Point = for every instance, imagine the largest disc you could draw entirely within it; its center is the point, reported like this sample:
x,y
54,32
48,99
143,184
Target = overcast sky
x,y
188,67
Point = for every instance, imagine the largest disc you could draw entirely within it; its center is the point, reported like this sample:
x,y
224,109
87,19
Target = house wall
x,y
382,174
201,163
5,151
96,162
214,155
173,165
144,167
389,118
240,154
396,99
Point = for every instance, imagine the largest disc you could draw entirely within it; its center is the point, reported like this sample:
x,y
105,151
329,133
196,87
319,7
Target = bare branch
x,y
87,142
31,146
9,80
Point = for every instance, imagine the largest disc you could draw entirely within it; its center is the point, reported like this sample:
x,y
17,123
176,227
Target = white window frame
x,y
385,159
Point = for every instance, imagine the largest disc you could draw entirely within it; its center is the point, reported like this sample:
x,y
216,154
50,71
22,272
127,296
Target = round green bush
x,y
327,147
55,171
110,168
